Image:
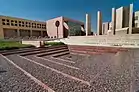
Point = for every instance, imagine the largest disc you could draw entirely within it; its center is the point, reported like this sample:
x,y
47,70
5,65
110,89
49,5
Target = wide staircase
x,y
50,50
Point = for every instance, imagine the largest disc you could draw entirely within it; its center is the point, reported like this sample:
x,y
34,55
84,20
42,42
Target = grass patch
x,y
7,45
54,43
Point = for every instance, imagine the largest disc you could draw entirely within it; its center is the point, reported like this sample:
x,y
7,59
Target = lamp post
x,y
57,23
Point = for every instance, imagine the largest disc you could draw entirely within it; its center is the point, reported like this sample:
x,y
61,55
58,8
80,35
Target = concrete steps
x,y
43,51
29,50
61,54
53,52
22,51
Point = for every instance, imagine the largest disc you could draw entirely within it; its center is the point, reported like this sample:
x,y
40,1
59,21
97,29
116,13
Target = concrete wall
x,y
35,43
125,17
122,17
52,29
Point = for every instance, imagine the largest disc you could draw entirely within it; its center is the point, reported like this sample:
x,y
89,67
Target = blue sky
x,y
76,9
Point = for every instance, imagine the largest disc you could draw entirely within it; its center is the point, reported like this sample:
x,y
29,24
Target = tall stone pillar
x,y
88,24
113,21
130,18
99,23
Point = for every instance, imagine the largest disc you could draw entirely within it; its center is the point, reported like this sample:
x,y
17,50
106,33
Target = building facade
x,y
67,27
11,27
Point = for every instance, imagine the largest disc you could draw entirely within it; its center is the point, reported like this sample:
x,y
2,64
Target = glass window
x,y
29,24
26,24
22,23
43,26
33,25
3,23
12,22
7,20
8,24
74,29
15,21
19,21
38,25
15,24
3,19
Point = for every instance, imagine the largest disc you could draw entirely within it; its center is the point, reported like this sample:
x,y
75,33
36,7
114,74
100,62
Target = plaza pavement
x,y
55,69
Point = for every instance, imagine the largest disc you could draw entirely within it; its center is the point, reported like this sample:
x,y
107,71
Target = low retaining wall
x,y
104,40
35,43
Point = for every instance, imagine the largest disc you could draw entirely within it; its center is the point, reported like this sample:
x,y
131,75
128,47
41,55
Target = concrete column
x,y
99,23
130,18
1,33
113,21
1,30
30,32
18,33
88,24
41,33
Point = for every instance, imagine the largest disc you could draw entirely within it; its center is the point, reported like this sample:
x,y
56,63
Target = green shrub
x,y
54,43
7,45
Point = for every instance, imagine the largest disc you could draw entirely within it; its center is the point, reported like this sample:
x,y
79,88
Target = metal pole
x,y
57,32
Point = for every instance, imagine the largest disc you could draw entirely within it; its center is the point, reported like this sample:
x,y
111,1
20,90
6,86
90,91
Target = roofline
x,y
77,21
64,18
22,19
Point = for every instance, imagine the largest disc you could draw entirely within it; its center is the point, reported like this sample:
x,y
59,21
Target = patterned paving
x,y
55,69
